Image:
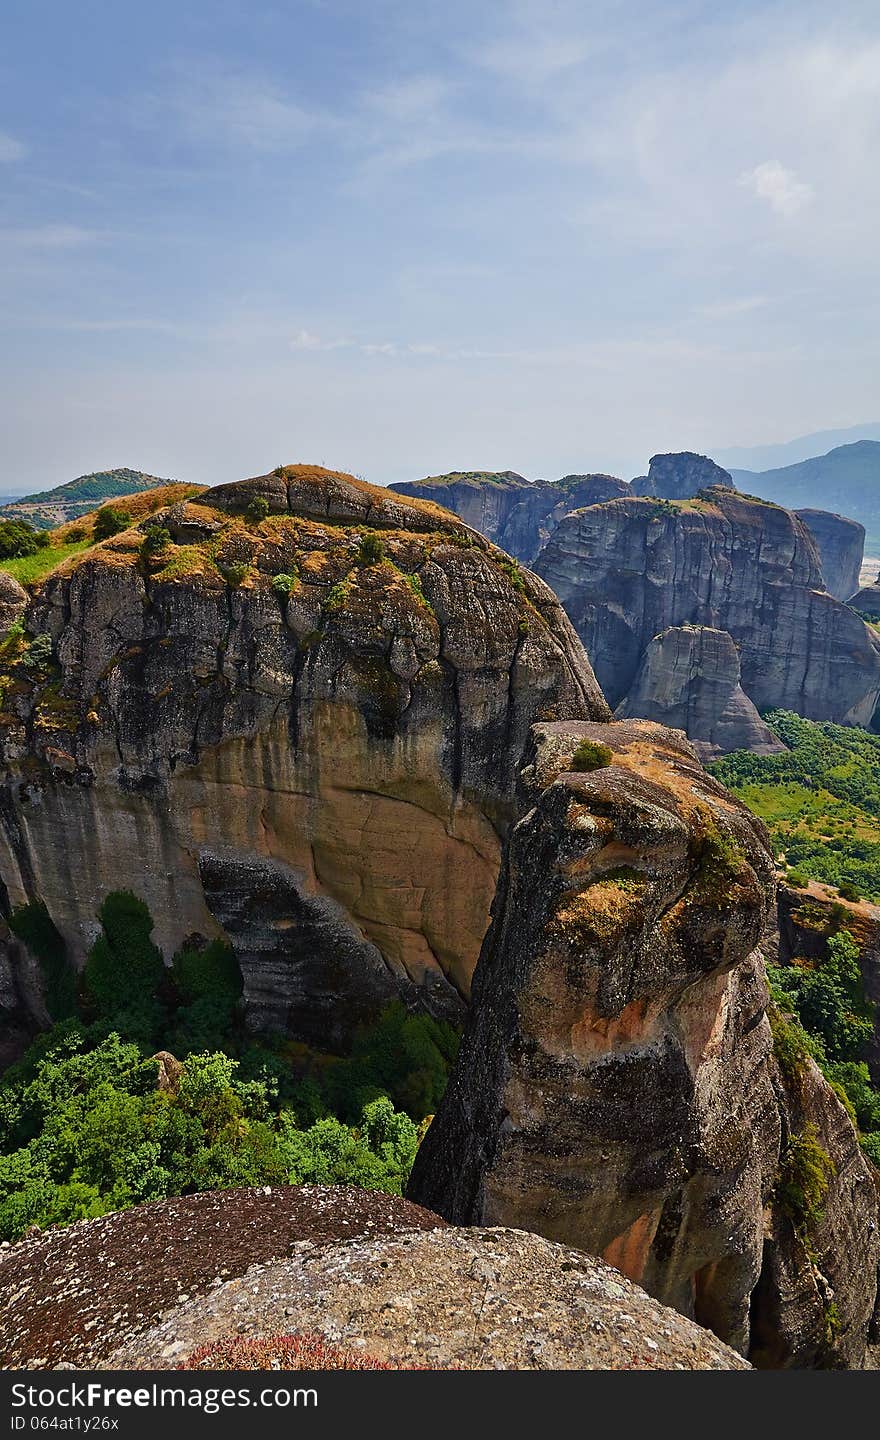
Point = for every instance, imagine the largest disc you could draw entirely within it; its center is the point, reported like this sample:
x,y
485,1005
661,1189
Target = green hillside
x,y
820,800
99,485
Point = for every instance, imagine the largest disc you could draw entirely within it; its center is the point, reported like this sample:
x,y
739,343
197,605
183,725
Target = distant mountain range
x,y
48,508
791,452
846,480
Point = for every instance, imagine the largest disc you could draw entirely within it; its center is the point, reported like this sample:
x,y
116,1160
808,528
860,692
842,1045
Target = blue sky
x,y
401,238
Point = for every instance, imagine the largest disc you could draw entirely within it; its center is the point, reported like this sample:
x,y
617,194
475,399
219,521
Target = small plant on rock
x,y
235,574
257,510
371,550
591,755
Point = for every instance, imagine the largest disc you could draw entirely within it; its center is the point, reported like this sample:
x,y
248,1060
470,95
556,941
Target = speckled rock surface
x,y
470,1299
73,1295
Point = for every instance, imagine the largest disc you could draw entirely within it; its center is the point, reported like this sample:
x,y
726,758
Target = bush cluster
x,y
17,539
85,1127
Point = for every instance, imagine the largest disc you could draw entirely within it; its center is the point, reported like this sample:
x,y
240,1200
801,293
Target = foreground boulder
x,y
294,711
75,1294
482,1299
617,1090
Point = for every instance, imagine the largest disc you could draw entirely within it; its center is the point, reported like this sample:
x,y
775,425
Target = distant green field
x,y
820,801
27,569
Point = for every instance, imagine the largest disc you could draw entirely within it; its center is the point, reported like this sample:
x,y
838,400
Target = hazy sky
x,y
400,237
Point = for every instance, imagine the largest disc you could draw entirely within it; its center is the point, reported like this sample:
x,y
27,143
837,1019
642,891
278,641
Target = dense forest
x,y
148,1085
820,800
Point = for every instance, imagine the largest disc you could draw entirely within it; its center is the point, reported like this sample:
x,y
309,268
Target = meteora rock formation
x,y
628,569
689,679
512,512
680,476
337,726
617,1088
841,546
303,727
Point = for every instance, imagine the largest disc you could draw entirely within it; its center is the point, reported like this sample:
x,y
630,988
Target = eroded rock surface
x,y
680,475
616,1089
841,546
487,1299
629,569
517,514
689,679
341,743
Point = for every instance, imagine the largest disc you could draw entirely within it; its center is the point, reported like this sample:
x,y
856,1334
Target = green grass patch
x,y
820,800
28,569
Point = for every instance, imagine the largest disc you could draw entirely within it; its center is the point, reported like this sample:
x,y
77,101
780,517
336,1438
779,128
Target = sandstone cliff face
x,y
629,569
841,546
689,679
325,766
513,512
616,1089
680,476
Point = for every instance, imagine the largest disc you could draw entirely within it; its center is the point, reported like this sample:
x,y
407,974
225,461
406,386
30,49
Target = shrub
x,y
591,756
110,520
370,550
124,968
848,891
156,538
284,584
235,574
257,510
797,880
804,1175
17,539
39,653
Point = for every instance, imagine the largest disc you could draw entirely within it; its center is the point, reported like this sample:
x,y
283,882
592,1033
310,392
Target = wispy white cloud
x,y
780,187
729,309
47,237
214,102
10,148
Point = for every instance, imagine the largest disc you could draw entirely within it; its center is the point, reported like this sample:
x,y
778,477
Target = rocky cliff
x,y
514,513
617,1088
841,546
689,679
302,726
628,569
680,476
